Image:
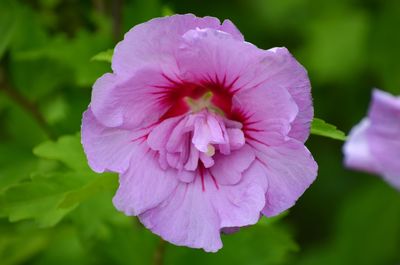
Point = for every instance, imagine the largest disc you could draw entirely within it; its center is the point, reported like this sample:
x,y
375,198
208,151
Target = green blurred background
x,y
54,210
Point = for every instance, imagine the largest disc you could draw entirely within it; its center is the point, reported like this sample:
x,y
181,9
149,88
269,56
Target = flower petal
x,y
290,170
107,149
236,65
229,27
374,144
145,184
286,72
383,135
186,218
155,42
217,57
228,169
133,103
384,113
161,133
242,203
356,150
267,113
195,213
100,106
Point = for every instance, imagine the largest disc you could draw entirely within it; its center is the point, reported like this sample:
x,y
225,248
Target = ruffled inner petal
x,y
189,141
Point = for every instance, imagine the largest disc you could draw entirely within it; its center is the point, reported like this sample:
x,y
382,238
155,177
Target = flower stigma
x,y
204,102
210,150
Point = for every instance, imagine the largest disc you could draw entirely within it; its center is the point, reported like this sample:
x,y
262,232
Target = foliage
x,y
105,56
320,127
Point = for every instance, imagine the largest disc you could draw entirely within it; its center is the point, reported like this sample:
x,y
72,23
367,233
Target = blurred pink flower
x,y
206,130
374,144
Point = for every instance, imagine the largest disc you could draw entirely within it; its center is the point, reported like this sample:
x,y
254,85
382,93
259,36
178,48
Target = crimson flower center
x,y
186,97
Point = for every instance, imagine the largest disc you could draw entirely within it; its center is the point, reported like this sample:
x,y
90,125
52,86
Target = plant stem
x,y
117,19
99,6
25,104
160,252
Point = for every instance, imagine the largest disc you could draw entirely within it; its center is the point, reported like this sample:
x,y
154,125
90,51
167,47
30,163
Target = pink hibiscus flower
x,y
206,130
374,144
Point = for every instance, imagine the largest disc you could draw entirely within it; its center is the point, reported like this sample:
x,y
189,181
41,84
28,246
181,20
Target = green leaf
x,y
18,130
110,236
48,198
15,165
64,248
103,182
104,56
12,240
72,54
67,150
39,199
272,220
167,11
320,127
50,195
